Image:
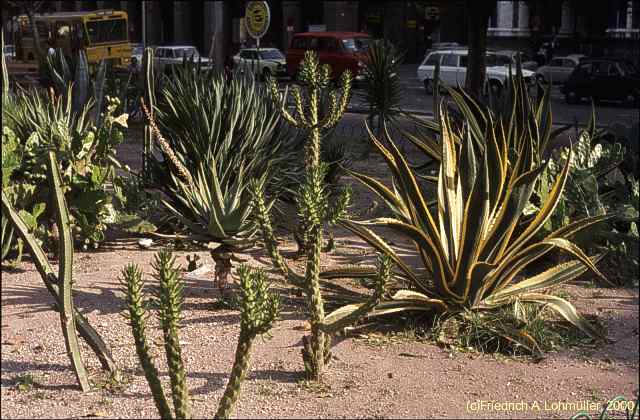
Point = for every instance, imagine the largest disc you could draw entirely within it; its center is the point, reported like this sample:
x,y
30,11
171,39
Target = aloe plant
x,y
475,244
212,147
60,286
259,309
315,210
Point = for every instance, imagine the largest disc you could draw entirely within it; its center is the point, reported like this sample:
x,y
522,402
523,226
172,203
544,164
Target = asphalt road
x,y
416,99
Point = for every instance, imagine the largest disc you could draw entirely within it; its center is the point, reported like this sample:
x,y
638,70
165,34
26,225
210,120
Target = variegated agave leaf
x,y
477,243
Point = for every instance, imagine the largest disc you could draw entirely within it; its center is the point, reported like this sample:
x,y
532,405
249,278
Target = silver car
x,y
557,71
265,62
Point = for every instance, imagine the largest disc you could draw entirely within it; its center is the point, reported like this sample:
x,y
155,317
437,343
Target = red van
x,y
341,50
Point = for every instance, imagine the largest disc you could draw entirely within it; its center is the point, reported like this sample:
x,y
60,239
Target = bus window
x,y
112,30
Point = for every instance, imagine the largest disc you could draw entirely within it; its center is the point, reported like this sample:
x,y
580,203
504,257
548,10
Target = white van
x,y
453,69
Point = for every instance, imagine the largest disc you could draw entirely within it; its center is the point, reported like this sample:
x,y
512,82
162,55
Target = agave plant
x,y
475,244
212,147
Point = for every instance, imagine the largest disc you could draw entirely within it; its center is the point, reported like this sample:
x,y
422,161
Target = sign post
x,y
257,17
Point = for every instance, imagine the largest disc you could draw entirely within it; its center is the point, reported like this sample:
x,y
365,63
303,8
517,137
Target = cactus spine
x,y
60,286
259,309
313,206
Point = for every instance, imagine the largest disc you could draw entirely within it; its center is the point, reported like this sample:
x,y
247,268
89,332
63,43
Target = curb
x,y
429,114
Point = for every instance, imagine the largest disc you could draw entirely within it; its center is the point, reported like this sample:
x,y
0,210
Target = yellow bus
x,y
103,34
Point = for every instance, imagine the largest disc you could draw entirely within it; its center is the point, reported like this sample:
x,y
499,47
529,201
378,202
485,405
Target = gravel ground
x,y
371,375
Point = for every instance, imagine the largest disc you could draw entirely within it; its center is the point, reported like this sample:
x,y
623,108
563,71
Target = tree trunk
x,y
479,12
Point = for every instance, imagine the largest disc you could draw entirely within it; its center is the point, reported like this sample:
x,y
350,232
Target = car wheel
x,y
266,74
428,86
633,99
540,78
571,97
496,88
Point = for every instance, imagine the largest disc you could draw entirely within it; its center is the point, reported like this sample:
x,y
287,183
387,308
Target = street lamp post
x,y
144,25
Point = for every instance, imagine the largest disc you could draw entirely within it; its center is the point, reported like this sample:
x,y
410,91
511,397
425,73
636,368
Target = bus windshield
x,y
103,31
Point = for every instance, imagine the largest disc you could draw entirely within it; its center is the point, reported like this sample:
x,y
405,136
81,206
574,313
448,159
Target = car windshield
x,y
186,52
355,44
271,55
498,60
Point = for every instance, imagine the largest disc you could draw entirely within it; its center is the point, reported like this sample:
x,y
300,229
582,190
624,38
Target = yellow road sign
x,y
257,18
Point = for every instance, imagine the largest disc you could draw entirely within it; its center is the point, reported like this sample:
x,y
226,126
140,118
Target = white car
x,y
453,69
558,69
168,56
266,62
9,52
137,51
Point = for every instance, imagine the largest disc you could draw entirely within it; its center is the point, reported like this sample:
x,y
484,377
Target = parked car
x,y
603,79
453,69
527,62
265,62
164,57
9,52
558,69
341,50
137,51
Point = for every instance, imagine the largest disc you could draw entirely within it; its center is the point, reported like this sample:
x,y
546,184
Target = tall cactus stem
x,y
312,198
149,97
65,273
238,375
5,74
132,279
88,333
170,297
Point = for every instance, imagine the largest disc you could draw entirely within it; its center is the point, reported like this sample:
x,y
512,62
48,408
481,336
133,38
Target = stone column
x,y
566,19
505,14
290,14
214,25
181,21
629,17
523,19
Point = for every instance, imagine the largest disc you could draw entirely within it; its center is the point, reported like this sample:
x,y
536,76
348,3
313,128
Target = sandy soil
x,y
372,375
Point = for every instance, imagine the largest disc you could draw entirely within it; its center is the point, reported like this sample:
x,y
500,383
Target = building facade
x,y
592,28
610,27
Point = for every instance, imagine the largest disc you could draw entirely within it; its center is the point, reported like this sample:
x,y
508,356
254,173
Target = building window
x,y
493,20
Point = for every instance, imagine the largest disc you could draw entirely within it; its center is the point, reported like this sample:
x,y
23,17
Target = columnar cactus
x,y
149,98
259,309
60,286
313,206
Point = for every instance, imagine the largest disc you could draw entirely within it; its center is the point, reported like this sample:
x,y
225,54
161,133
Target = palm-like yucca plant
x,y
475,245
215,136
382,90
